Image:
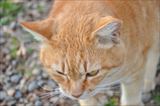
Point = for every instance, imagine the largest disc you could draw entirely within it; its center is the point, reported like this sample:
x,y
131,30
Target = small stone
x,y
48,104
7,80
8,57
15,78
53,100
110,92
14,62
39,77
29,104
20,104
3,95
47,88
2,40
40,83
9,70
32,86
32,97
22,83
24,89
12,103
18,94
1,79
32,64
146,97
38,103
25,101
9,98
45,75
36,72
5,50
51,83
13,25
11,92
1,33
21,100
75,104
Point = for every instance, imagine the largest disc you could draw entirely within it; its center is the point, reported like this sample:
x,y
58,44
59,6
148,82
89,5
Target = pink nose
x,y
76,94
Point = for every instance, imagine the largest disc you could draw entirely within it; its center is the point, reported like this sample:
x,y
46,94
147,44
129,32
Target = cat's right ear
x,y
41,30
107,32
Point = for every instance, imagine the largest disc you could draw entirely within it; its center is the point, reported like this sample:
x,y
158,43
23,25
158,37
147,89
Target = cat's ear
x,y
41,30
107,32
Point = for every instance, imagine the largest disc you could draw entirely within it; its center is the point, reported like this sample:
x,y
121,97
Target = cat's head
x,y
80,53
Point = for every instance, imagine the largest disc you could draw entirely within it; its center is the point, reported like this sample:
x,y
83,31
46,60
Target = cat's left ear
x,y
41,30
107,32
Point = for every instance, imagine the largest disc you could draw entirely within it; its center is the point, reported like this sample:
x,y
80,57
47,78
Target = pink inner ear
x,y
107,31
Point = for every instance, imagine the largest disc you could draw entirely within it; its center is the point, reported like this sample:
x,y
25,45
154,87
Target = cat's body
x,y
83,36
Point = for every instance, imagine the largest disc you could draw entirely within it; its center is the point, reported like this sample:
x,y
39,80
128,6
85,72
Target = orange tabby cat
x,y
89,45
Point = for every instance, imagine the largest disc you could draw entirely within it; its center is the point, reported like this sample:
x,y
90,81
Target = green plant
x,y
40,8
8,11
13,53
112,102
28,73
30,50
156,97
15,44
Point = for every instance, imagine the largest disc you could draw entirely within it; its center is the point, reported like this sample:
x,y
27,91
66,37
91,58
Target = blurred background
x,y
23,81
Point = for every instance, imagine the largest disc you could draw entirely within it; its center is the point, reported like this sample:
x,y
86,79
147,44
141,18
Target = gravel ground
x,y
22,78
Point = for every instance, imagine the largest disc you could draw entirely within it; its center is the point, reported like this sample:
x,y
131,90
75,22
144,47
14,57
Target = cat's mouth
x,y
60,93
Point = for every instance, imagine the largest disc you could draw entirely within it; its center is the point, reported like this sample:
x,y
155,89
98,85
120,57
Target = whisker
x,y
50,94
63,96
108,86
54,95
45,88
46,94
111,74
53,92
112,83
101,88
45,97
57,100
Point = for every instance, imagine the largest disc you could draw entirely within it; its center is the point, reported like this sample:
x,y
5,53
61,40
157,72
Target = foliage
x,y
8,11
112,102
14,46
156,97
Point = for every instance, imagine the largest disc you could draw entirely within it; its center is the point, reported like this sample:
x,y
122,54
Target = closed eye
x,y
59,72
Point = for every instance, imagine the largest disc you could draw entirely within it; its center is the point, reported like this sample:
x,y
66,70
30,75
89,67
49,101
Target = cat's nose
x,y
77,95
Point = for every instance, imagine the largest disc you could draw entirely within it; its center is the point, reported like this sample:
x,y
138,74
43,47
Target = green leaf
x,y
13,53
5,20
156,98
112,102
30,50
9,11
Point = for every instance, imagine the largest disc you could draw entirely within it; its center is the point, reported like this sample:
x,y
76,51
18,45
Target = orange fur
x,y
71,39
